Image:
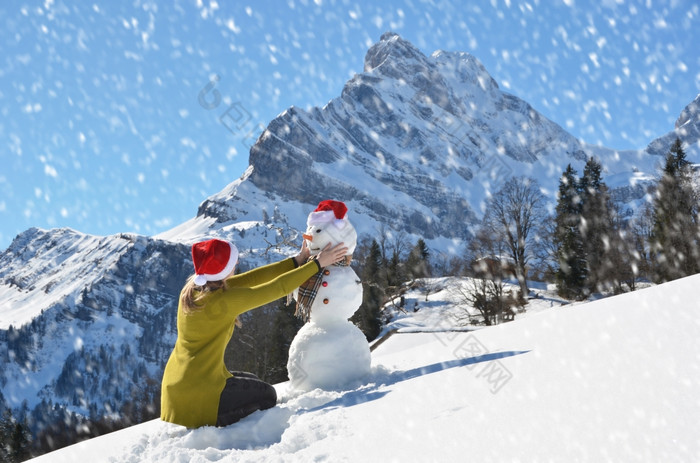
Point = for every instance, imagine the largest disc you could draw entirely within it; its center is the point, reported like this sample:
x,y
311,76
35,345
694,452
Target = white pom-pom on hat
x,y
213,260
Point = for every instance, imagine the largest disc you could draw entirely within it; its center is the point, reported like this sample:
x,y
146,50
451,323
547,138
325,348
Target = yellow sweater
x,y
195,374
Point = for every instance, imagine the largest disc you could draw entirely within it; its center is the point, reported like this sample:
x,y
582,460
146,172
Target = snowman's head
x,y
329,224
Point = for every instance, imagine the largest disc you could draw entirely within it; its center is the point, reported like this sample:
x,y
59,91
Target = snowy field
x,y
612,380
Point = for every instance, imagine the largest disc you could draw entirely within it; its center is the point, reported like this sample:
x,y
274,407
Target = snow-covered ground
x,y
612,380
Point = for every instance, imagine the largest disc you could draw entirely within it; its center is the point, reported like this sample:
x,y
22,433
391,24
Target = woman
x,y
197,389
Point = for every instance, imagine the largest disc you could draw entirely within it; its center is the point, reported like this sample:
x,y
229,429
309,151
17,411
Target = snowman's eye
x,y
319,230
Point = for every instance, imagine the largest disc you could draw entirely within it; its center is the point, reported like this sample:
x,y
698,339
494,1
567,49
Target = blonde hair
x,y
192,293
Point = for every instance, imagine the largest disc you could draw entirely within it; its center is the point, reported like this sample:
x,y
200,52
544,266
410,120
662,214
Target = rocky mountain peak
x,y
417,131
687,129
416,143
690,114
391,55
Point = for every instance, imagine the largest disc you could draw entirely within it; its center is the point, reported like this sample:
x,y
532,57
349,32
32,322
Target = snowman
x,y
329,351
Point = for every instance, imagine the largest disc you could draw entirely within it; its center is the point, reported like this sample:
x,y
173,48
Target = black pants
x,y
243,394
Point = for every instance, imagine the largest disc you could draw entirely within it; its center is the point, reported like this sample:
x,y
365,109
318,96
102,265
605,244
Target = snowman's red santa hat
x,y
329,211
213,260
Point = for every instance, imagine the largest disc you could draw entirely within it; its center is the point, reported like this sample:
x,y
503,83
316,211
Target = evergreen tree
x,y
285,327
640,230
14,438
418,261
368,316
19,442
571,274
5,432
596,228
674,237
394,270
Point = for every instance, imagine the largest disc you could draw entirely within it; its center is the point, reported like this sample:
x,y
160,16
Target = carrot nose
x,y
307,237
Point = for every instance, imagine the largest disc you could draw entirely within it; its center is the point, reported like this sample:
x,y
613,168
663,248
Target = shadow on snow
x,y
371,392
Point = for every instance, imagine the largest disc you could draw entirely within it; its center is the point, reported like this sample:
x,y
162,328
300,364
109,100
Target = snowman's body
x,y
329,351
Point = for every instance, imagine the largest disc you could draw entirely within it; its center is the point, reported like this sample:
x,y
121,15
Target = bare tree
x,y
487,297
447,264
484,290
513,214
544,261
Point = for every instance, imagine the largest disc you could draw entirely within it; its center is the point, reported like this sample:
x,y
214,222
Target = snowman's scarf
x,y
309,289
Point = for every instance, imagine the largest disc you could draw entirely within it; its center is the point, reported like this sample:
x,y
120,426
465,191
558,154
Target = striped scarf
x,y
309,289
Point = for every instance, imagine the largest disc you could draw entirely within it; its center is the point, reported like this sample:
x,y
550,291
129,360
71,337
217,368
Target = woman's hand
x,y
303,255
330,255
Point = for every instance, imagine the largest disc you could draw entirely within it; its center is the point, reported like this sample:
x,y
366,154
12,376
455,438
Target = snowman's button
x,y
325,301
324,284
326,272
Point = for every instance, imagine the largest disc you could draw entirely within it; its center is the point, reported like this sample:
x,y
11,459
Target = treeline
x,y
597,249
591,243
50,426
97,391
385,266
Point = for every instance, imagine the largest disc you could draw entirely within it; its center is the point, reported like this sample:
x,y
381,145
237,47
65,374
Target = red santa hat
x,y
213,260
329,211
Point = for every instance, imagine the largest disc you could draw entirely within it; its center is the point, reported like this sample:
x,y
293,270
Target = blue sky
x,y
124,116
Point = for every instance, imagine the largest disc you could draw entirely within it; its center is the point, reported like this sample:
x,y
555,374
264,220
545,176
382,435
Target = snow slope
x,y
611,380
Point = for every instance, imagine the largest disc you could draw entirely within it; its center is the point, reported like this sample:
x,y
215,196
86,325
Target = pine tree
x,y
571,274
394,270
596,228
14,438
6,421
368,316
285,327
19,442
418,261
640,228
674,238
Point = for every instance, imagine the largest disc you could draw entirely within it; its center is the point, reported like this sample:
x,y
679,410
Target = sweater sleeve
x,y
262,274
261,290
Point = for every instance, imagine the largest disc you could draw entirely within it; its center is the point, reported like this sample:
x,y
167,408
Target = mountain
x,y
86,321
414,144
687,128
610,380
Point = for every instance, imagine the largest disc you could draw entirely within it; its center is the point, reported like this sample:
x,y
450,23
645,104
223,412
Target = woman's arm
x,y
239,299
265,273
260,275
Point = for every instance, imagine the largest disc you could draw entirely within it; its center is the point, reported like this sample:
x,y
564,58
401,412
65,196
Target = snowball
x,y
328,357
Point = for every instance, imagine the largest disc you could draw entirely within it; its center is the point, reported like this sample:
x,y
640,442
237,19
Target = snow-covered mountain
x,y
687,128
100,306
413,144
416,143
611,380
